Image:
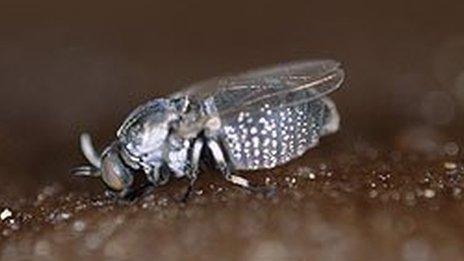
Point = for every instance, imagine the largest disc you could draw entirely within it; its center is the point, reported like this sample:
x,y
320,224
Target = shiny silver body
x,y
256,120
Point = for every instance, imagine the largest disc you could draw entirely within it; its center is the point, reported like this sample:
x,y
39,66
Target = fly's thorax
x,y
176,154
213,123
196,118
143,134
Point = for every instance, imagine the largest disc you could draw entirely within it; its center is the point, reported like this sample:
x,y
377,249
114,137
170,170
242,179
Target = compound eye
x,y
115,175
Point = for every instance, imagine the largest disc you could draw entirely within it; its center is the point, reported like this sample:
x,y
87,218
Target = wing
x,y
289,84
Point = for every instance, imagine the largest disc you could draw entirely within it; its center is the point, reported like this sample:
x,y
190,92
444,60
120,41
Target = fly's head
x,y
116,174
140,143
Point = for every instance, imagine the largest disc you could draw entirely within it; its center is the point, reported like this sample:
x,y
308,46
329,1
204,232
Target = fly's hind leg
x,y
225,169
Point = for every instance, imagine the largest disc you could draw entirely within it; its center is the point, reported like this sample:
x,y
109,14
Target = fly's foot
x,y
267,191
188,191
125,194
111,194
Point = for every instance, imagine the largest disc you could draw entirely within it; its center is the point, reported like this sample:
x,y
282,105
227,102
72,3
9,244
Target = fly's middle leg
x,y
194,159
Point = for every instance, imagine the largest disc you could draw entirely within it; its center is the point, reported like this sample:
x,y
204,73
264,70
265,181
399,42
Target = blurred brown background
x,y
70,67
388,186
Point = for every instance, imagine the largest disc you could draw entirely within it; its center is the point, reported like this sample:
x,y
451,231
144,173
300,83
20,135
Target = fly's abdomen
x,y
271,136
